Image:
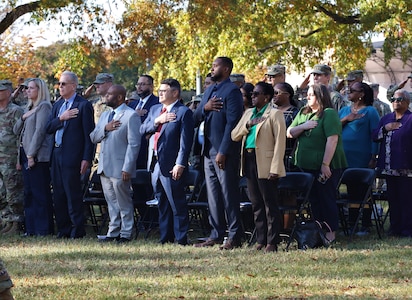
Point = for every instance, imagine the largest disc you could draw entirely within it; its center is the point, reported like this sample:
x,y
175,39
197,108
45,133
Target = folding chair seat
x,y
96,206
198,209
355,190
142,192
294,190
379,194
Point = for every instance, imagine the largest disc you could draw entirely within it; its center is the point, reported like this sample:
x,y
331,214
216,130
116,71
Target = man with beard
x,y
221,109
118,133
144,89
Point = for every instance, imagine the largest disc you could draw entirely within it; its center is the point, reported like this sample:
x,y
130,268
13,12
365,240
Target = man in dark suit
x,y
221,109
71,122
170,125
144,89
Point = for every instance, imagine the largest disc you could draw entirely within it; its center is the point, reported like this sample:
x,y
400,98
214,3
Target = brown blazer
x,y
270,141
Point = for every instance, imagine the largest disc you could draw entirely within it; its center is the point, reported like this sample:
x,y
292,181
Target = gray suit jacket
x,y
119,148
36,142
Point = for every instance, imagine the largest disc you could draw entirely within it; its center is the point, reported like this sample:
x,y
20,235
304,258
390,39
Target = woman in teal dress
x,y
358,122
320,151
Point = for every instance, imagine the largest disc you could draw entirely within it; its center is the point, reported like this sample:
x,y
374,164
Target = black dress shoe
x,y
109,239
62,235
123,240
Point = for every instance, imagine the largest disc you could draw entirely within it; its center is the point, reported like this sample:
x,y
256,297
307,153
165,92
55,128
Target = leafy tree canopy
x,y
175,38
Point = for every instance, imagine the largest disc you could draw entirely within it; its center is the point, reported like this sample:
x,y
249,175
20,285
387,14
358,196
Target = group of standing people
x,y
56,144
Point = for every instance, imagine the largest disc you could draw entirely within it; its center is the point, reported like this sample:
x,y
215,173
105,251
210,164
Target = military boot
x,y
6,227
15,229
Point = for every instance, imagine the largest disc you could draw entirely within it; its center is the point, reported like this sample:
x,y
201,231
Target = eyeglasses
x,y
162,91
65,83
271,76
352,91
142,84
280,93
397,99
255,94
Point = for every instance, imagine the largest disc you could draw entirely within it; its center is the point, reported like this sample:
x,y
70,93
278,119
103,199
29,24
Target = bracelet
x,y
325,164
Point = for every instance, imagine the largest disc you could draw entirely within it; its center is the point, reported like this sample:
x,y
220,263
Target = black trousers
x,y
264,197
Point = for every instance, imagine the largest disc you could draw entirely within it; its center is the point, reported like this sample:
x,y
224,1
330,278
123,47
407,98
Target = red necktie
x,y
157,133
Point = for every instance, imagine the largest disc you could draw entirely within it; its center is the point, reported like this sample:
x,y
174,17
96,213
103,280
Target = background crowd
x,y
234,128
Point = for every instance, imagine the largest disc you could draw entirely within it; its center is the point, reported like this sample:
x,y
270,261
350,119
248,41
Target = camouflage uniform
x,y
381,107
5,283
11,190
338,100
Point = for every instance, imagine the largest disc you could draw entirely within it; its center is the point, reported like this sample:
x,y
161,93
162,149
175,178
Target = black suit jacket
x,y
76,143
143,156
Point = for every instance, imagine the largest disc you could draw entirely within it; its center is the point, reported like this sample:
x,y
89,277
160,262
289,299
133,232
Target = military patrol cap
x,y
374,86
275,70
321,69
5,85
133,96
237,77
103,78
354,74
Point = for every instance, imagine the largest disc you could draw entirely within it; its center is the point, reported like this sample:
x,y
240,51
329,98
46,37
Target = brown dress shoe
x,y
207,243
229,245
271,248
259,247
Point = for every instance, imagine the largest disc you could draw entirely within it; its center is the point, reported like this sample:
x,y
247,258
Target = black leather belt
x,y
250,150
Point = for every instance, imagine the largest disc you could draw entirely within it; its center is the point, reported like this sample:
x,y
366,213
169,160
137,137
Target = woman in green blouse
x,y
320,152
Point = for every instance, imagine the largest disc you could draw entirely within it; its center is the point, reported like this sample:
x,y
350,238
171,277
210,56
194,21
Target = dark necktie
x,y
140,105
157,133
58,138
111,117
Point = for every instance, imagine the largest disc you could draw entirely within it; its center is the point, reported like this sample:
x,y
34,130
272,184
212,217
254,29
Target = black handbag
x,y
311,234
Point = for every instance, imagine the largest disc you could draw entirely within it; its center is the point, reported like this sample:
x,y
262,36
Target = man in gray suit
x,y
118,133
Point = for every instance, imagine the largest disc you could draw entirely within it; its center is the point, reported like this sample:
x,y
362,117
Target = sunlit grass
x,y
46,268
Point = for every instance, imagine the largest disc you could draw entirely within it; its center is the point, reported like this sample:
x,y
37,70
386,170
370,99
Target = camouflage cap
x,y
374,86
132,96
196,98
321,69
237,77
26,82
275,70
5,85
103,78
353,75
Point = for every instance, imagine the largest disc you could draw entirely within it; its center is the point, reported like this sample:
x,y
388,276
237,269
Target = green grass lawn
x,y
46,268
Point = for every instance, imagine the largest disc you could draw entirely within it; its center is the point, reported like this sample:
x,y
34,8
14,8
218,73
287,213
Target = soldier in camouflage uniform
x,y
382,107
11,193
5,283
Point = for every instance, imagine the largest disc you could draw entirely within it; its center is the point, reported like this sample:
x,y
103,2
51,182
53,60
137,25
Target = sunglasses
x,y
280,93
64,83
398,99
255,94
